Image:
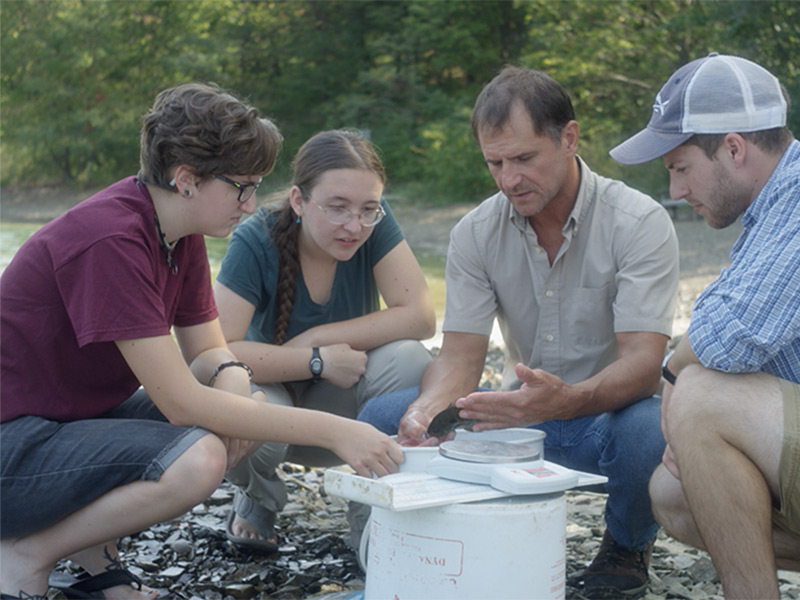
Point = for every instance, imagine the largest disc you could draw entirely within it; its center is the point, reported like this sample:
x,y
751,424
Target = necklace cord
x,y
162,239
165,247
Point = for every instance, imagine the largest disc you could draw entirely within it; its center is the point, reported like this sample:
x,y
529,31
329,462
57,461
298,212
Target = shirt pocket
x,y
591,315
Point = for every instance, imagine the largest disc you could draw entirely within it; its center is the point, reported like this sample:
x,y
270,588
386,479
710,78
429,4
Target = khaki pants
x,y
787,517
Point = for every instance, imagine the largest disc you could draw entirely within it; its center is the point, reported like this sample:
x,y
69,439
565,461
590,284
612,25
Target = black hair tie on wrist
x,y
225,365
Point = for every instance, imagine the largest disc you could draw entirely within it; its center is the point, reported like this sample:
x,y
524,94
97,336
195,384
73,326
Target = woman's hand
x,y
238,449
366,449
342,365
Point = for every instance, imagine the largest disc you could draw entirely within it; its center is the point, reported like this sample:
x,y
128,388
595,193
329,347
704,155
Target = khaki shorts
x,y
788,517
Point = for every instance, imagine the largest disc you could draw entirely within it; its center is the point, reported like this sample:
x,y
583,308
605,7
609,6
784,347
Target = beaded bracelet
x,y
225,365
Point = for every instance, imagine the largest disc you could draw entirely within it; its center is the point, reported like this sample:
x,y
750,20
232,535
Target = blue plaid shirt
x,y
748,320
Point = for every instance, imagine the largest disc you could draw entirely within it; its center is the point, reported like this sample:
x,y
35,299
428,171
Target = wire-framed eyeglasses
x,y
246,190
339,215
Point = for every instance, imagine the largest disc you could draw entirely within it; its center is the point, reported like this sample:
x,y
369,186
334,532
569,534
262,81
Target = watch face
x,y
316,366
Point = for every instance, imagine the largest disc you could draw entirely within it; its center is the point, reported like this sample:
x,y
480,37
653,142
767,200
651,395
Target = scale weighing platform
x,y
467,470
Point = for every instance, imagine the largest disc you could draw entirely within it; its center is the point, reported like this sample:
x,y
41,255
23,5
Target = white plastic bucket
x,y
510,548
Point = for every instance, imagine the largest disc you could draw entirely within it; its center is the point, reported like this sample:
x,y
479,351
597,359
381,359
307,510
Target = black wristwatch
x,y
665,372
315,364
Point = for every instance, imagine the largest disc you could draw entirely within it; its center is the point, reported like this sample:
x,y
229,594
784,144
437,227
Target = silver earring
x,y
187,193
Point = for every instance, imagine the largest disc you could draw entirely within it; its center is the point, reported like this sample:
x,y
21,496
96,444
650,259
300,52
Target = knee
x,y
413,355
695,399
266,458
201,468
637,430
669,505
659,495
399,364
397,400
639,416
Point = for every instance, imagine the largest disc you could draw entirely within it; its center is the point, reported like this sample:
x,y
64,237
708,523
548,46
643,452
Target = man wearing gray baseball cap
x,y
730,477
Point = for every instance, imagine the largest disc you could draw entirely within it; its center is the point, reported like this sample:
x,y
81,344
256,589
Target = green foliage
x,y
453,164
76,75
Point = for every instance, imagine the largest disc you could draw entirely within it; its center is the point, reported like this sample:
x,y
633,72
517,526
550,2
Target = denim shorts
x,y
787,517
51,469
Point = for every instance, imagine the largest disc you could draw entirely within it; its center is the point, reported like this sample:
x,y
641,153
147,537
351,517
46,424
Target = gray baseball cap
x,y
715,94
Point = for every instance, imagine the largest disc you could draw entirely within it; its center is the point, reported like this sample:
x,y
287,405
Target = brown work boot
x,y
616,572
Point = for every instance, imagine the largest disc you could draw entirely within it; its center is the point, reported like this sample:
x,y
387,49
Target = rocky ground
x,y
190,559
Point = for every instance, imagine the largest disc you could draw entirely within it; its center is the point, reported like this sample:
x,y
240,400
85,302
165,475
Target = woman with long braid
x,y
298,295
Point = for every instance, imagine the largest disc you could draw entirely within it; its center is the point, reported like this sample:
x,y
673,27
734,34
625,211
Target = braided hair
x,y
325,151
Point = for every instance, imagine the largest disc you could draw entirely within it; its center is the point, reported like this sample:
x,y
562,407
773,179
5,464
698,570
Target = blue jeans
x,y
626,446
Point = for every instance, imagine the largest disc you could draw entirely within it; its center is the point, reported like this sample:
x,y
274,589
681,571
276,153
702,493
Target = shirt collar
x,y
578,213
586,190
764,199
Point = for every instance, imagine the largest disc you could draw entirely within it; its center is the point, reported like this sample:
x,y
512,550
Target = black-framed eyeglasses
x,y
246,190
339,215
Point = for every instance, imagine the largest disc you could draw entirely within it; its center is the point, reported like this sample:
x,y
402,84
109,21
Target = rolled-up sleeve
x,y
749,318
743,320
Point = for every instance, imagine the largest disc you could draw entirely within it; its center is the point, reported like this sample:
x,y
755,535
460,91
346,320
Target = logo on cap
x,y
659,106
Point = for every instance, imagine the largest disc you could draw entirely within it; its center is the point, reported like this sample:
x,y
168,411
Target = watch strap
x,y
315,364
668,375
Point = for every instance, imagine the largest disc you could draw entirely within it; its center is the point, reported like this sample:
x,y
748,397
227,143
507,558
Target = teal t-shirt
x,y
250,269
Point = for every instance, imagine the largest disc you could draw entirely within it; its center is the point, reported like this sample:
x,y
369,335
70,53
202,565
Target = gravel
x,y
190,559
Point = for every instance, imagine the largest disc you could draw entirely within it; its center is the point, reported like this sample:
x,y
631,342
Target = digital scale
x,y
464,470
513,468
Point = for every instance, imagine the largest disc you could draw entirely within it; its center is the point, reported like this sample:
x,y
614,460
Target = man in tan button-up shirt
x,y
581,273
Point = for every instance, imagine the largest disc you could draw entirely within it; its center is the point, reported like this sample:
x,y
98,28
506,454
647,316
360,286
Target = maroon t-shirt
x,y
94,275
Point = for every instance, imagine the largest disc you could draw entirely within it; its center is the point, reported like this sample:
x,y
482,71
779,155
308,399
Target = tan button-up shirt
x,y
616,271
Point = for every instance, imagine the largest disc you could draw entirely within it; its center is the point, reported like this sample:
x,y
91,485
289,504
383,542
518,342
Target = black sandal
x,y
91,586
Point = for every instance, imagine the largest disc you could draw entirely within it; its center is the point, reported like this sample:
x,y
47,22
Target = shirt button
x,y
549,337
539,250
549,293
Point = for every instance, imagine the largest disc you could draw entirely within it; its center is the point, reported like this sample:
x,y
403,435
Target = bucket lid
x,y
483,451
